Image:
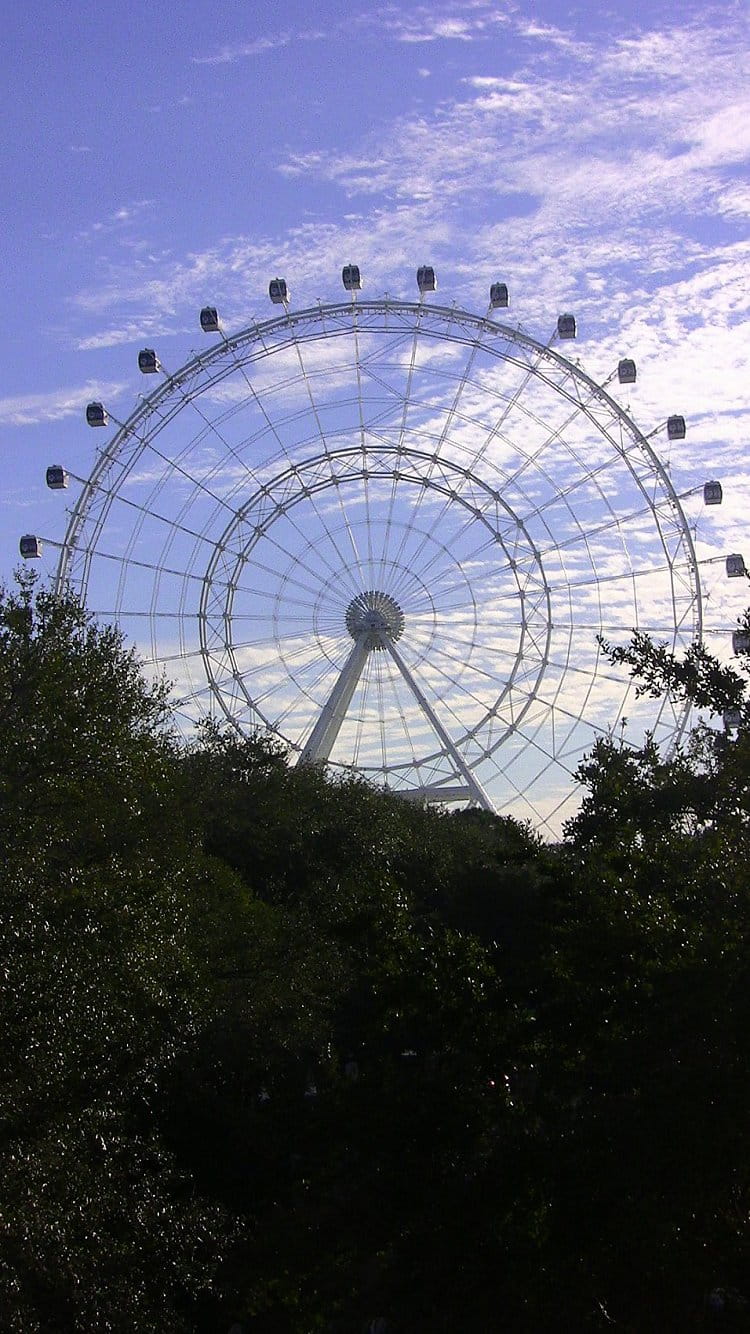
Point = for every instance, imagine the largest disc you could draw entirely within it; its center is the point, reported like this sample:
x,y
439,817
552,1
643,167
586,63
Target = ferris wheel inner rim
x,y
223,619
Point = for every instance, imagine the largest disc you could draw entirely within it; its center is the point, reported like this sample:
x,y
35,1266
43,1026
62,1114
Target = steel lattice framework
x,y
391,532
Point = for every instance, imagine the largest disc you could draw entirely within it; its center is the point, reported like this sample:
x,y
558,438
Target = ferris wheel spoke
x,y
261,617
461,486
276,640
429,569
117,559
617,521
451,678
174,465
426,536
553,434
148,513
381,706
284,451
561,498
355,555
134,613
212,429
450,416
401,436
265,571
204,691
306,657
163,659
521,795
553,709
362,439
495,430
410,739
264,595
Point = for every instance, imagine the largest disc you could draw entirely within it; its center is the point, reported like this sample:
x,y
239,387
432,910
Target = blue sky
x,y
158,158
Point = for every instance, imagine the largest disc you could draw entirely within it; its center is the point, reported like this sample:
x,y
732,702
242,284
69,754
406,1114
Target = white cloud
x,y
30,409
116,221
417,25
431,28
230,54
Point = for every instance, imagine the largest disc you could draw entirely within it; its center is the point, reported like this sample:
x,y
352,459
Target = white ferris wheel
x,y
390,532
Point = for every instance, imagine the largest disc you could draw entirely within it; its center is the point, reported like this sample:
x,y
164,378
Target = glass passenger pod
x,y
735,566
278,291
351,278
57,478
676,428
499,297
712,493
732,718
741,641
148,362
96,415
626,371
30,547
426,280
210,319
566,326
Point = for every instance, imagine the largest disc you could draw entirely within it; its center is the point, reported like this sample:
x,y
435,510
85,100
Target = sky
x,y
595,158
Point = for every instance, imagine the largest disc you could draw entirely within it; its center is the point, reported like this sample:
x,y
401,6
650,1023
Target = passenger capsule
x,y
741,641
96,415
278,291
426,280
210,319
732,718
351,278
712,493
57,478
566,326
148,362
499,297
676,428
626,371
735,565
30,547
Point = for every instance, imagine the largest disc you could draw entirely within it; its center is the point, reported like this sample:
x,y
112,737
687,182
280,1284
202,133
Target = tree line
x,y
286,1053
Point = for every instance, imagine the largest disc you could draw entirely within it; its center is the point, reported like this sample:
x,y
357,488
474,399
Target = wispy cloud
x,y
119,220
657,140
415,26
428,27
436,23
130,333
31,409
231,53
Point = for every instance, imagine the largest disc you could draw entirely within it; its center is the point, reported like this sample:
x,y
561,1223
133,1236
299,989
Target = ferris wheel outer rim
x,y
189,382
319,313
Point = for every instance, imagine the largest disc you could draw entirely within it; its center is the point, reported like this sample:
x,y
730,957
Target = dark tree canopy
x,y
285,1050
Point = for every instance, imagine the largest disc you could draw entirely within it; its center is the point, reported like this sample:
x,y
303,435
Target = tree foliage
x,y
286,1050
100,982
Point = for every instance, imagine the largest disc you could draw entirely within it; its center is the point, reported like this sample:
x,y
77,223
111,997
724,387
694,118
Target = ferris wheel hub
x,y
372,615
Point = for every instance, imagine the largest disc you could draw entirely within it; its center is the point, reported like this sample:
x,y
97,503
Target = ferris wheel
x,y
390,532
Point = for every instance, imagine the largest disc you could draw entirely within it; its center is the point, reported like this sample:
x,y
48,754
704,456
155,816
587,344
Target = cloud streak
x,y
231,54
32,409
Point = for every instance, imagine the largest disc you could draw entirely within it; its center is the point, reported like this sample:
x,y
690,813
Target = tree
x,y
352,1098
647,1067
101,981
